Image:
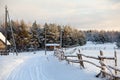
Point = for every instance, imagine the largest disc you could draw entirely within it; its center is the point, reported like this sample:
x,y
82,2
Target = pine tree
x,y
22,37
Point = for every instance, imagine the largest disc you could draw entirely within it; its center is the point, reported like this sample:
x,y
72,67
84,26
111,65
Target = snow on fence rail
x,y
103,73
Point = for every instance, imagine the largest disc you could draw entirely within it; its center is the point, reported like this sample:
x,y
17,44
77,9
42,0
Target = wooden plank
x,y
70,56
97,58
78,61
101,58
114,68
110,74
110,58
102,65
106,73
90,57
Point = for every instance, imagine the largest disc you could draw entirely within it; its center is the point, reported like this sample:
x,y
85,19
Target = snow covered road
x,y
48,68
30,66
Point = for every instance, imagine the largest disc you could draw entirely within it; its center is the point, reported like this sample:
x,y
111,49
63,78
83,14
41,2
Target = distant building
x,y
2,43
52,46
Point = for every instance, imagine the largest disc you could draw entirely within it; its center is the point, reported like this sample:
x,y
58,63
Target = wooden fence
x,y
3,52
103,67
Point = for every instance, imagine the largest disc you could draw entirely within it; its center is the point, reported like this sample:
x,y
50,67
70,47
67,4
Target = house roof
x,y
2,37
54,44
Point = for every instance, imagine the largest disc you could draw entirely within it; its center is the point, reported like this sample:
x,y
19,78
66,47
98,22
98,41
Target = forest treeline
x,y
33,36
103,36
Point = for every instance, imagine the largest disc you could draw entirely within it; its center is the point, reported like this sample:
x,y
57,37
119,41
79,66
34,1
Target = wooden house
x,y
3,44
52,46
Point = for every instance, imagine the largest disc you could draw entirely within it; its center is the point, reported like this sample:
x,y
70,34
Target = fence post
x,y
102,65
55,51
80,58
115,54
102,60
65,57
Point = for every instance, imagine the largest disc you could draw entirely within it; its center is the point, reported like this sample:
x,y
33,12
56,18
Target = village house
x,y
3,44
50,46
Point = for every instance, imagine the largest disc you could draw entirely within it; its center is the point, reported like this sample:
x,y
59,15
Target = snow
x,y
50,44
49,68
91,49
2,37
38,66
29,66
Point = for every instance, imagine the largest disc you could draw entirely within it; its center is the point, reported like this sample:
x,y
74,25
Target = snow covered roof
x,y
54,44
2,37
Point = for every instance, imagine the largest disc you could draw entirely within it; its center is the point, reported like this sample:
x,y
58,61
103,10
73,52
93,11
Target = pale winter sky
x,y
81,14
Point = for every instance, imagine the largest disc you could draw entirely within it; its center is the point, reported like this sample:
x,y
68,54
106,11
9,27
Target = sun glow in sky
x,y
81,14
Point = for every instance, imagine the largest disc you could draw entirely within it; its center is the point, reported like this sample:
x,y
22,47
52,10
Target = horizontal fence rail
x,y
103,73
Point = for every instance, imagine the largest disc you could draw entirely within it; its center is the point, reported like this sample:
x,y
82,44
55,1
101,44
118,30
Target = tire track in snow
x,y
39,68
31,69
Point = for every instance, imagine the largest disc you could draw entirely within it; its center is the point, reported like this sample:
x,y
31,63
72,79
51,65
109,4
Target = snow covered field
x,y
30,66
91,49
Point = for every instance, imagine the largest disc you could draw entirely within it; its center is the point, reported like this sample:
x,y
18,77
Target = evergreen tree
x,y
36,35
22,37
118,41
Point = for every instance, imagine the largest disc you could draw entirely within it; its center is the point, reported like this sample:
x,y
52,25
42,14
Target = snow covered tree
x,y
118,41
36,35
22,37
81,38
73,37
